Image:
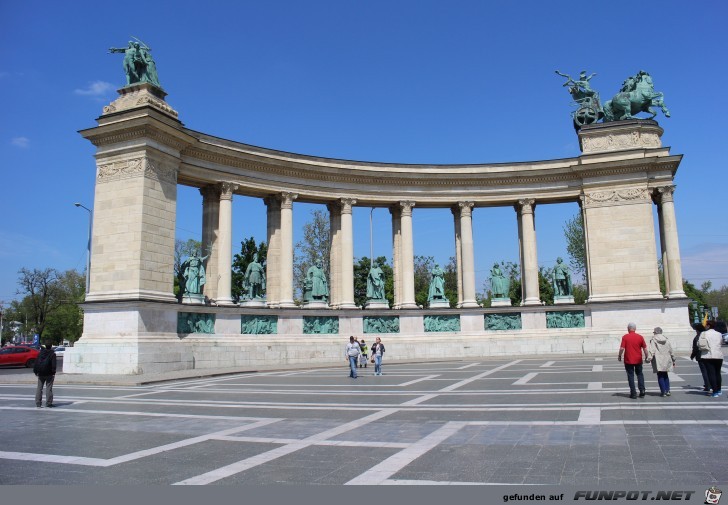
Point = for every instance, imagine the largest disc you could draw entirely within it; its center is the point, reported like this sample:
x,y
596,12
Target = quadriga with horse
x,y
637,95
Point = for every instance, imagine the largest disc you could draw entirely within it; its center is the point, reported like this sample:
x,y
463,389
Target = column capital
x,y
226,190
466,208
346,204
525,206
665,193
211,191
287,200
406,207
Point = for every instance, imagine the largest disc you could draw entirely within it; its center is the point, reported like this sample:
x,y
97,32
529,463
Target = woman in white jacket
x,y
709,344
662,358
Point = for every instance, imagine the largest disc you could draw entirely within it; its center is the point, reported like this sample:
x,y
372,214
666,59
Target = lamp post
x,y
88,245
371,239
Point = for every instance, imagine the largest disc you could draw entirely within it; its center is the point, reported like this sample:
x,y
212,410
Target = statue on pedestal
x,y
375,283
138,63
255,279
499,284
637,94
437,286
561,278
316,284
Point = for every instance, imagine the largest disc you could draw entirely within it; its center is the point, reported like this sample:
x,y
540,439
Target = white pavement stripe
x,y
382,471
675,377
590,415
547,364
478,377
418,380
149,414
419,400
594,386
334,443
406,482
598,359
524,380
597,368
468,366
260,459
51,458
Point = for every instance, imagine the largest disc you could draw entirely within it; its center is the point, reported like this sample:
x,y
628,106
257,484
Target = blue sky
x,y
395,81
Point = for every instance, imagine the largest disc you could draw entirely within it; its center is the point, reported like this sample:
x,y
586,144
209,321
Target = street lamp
x,y
88,245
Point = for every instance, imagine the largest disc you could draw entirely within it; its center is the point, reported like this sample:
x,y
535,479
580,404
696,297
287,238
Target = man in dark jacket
x,y
45,370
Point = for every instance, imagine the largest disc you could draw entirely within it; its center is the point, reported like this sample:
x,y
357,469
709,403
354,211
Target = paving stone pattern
x,y
557,421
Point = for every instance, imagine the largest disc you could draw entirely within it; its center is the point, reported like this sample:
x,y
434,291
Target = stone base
x,y
254,303
439,304
561,300
620,136
315,304
500,302
191,299
139,95
376,304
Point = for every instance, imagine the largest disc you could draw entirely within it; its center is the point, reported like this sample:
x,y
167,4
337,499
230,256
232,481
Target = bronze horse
x,y
638,96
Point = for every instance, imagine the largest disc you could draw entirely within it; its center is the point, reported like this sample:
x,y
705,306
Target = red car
x,y
18,355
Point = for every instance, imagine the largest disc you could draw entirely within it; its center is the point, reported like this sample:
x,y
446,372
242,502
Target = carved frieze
x,y
620,141
137,167
616,197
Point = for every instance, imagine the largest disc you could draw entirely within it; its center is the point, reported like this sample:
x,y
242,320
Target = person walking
x,y
632,347
695,354
662,359
45,369
352,355
364,354
709,343
377,355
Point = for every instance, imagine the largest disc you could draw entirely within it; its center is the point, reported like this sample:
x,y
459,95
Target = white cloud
x,y
22,142
95,89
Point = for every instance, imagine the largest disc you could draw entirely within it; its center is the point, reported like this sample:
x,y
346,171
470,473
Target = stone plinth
x,y
315,304
500,302
254,303
376,304
561,300
140,95
193,299
620,136
439,304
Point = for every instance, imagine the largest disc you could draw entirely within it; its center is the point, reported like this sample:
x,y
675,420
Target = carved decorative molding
x,y
346,204
616,197
406,207
210,192
620,141
666,193
137,167
287,200
137,133
227,189
525,205
466,209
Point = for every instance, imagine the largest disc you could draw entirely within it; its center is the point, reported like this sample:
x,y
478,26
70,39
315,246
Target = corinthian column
x,y
468,256
529,256
210,231
286,267
458,254
672,247
273,260
407,259
396,212
225,254
347,255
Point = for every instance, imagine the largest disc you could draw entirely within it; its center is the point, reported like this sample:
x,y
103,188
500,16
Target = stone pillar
x,y
286,265
587,263
468,255
210,232
529,255
396,212
225,253
334,254
347,255
663,247
458,254
273,259
407,257
672,247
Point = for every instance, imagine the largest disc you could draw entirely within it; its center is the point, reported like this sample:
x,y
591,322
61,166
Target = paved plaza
x,y
509,421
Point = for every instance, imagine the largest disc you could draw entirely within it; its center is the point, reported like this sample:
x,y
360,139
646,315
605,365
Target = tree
x,y
361,272
248,248
66,323
423,267
451,282
576,245
314,246
42,288
183,249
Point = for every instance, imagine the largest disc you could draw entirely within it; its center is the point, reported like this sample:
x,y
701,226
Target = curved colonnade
x,y
144,152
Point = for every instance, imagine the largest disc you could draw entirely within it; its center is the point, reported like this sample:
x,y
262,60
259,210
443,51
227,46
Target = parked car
x,y
18,355
59,351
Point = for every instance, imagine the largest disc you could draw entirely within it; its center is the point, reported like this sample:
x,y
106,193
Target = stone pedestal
x,y
376,304
561,300
193,299
315,304
439,304
500,302
620,136
254,303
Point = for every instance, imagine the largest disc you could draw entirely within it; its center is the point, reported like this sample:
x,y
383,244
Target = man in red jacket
x,y
633,346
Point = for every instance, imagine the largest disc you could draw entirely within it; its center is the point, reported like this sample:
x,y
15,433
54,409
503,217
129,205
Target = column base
x,y
677,294
347,305
532,301
408,305
225,302
469,304
287,304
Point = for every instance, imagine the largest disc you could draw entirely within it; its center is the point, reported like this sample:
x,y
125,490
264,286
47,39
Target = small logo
x,y
712,495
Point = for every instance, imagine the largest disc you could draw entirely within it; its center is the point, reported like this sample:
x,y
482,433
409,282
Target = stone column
x,y
210,231
458,254
672,246
407,262
273,260
347,255
587,263
468,255
334,254
529,268
286,265
225,253
663,247
396,212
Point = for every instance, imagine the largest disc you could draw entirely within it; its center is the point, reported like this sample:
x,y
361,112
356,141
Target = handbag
x,y
703,343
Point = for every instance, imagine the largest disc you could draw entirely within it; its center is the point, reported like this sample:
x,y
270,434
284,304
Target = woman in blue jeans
x,y
377,354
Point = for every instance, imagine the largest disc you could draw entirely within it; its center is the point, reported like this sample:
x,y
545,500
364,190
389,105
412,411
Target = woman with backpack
x,y
709,344
377,355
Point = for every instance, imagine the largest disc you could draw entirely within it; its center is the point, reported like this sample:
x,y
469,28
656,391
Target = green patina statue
x,y
255,279
437,285
499,284
138,63
315,286
561,279
193,271
375,283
